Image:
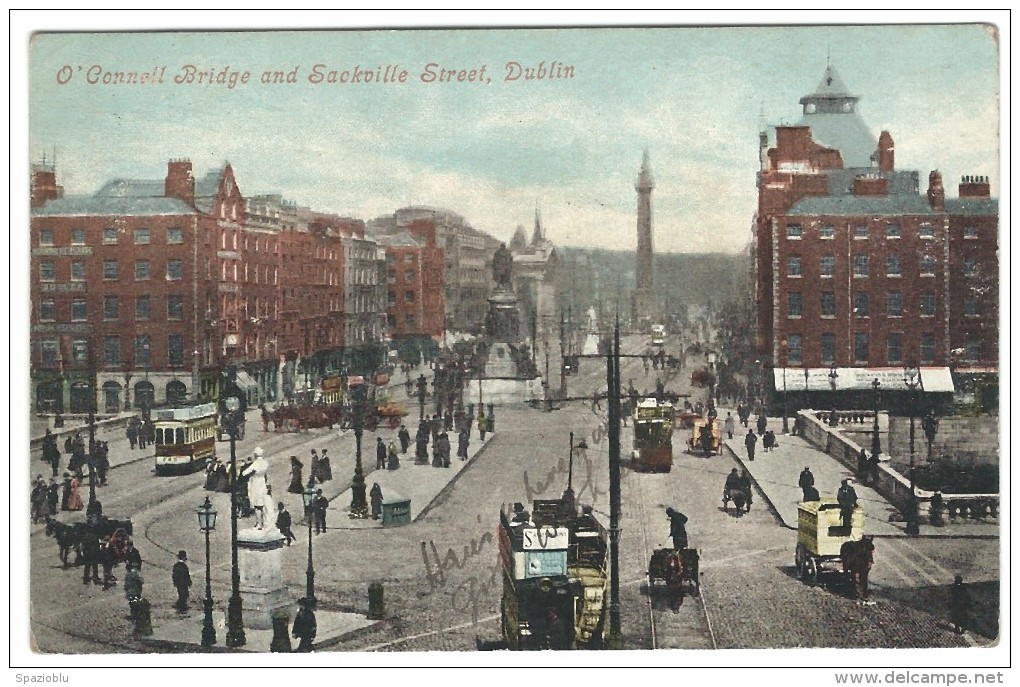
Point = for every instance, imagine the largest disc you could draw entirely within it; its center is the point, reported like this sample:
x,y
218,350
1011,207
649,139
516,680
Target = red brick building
x,y
856,266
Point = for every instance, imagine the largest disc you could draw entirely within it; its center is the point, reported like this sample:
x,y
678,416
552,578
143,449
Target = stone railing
x,y
893,486
71,426
844,417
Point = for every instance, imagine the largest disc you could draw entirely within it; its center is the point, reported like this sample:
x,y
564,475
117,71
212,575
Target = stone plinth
x,y
260,558
503,323
511,391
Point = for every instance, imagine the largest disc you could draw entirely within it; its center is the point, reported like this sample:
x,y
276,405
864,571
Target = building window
x,y
143,350
175,270
408,258
927,348
894,348
109,235
391,277
409,296
860,231
973,350
142,237
926,231
970,306
111,307
970,267
49,348
141,270
391,298
892,265
827,231
409,320
828,304
793,266
174,235
79,350
828,348
794,231
793,304
77,237
860,265
409,275
175,307
970,232
142,307
47,310
894,304
45,237
77,271
110,269
861,306
795,352
860,347
46,272
927,304
175,349
79,310
927,265
111,350
828,265
893,231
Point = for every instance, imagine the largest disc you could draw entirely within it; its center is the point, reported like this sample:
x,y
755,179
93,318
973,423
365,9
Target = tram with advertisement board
x,y
185,437
653,436
555,577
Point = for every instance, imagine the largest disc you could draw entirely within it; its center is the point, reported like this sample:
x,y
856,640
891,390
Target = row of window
x,y
409,321
862,353
111,236
111,308
408,258
141,344
862,266
892,231
391,277
408,297
862,305
111,270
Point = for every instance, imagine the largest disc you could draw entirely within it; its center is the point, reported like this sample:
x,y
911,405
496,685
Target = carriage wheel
x,y
810,570
798,560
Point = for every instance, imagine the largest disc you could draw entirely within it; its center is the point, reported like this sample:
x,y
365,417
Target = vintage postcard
x,y
457,342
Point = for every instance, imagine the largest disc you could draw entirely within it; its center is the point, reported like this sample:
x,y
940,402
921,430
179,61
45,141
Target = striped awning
x,y
933,379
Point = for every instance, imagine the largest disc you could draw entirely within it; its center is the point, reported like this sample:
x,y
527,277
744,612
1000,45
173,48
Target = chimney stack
x,y
975,187
44,184
886,152
936,193
870,185
179,182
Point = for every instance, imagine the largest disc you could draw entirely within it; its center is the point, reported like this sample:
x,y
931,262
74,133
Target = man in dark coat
x,y
806,480
181,577
749,442
90,552
132,432
53,496
380,454
304,626
405,438
65,496
319,505
677,528
463,440
132,556
745,484
283,522
959,605
846,497
762,423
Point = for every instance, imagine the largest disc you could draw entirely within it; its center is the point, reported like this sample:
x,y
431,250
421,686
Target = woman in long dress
x,y
296,483
376,496
325,469
74,502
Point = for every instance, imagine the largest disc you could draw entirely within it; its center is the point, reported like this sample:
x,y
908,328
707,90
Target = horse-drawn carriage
x,y
823,540
706,436
739,495
678,568
113,534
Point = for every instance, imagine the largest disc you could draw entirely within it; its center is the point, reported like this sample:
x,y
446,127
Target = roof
x,y
92,206
972,206
403,239
898,204
207,187
155,188
831,86
844,131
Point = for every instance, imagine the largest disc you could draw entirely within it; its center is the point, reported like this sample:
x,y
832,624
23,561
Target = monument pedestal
x,y
260,558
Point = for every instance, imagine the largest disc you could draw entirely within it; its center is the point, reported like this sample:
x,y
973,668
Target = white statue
x,y
258,493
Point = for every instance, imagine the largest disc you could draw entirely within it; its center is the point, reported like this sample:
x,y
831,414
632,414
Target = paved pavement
x,y
777,472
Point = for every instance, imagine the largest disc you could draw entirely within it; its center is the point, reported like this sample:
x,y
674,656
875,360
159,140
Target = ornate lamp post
x,y
876,444
912,379
234,404
359,502
833,376
308,496
92,424
207,523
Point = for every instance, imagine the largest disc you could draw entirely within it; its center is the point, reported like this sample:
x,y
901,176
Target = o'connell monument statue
x,y
502,322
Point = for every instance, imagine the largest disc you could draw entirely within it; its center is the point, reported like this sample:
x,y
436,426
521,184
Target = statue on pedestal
x,y
502,268
258,492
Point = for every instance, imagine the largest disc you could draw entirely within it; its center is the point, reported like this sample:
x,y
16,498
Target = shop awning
x,y
933,379
245,382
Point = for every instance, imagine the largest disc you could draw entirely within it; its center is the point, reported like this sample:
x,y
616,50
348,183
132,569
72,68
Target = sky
x,y
493,152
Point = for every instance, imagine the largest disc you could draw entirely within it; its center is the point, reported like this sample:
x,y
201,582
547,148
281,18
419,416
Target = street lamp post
x,y
308,496
359,502
912,379
833,376
234,403
92,424
207,523
876,444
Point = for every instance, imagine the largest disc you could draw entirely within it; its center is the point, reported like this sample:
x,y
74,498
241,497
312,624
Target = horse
x,y
68,537
675,579
857,558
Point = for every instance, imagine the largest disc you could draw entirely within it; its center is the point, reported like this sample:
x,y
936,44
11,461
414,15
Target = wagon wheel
x,y
810,570
798,560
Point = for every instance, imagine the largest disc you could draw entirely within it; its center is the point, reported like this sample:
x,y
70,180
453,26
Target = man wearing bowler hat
x,y
182,581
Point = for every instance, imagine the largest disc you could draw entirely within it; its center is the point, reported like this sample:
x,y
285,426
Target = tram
x,y
185,437
658,334
653,436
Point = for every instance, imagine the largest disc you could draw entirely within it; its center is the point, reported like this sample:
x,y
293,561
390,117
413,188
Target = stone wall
x,y
960,436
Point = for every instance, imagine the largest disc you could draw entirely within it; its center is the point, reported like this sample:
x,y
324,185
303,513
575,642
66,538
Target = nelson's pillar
x,y
645,309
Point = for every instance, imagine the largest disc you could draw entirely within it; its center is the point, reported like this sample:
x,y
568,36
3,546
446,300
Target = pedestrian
x,y
74,502
380,454
102,462
873,470
745,483
959,605
762,423
729,425
304,626
37,500
935,509
677,528
283,522
768,441
405,438
297,485
181,577
462,444
53,496
437,453
740,414
325,468
65,499
132,556
108,559
320,504
435,426
376,496
90,552
313,468
483,425
846,497
749,443
444,448
862,465
133,582
222,479
393,462
447,421
806,481
132,432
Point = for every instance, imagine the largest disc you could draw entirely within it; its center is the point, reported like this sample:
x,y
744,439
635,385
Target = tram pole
x,y
613,379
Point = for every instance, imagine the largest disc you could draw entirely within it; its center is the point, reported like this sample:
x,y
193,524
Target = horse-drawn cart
x,y
823,541
678,568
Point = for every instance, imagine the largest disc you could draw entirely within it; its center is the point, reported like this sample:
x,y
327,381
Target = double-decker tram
x,y
185,437
653,436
